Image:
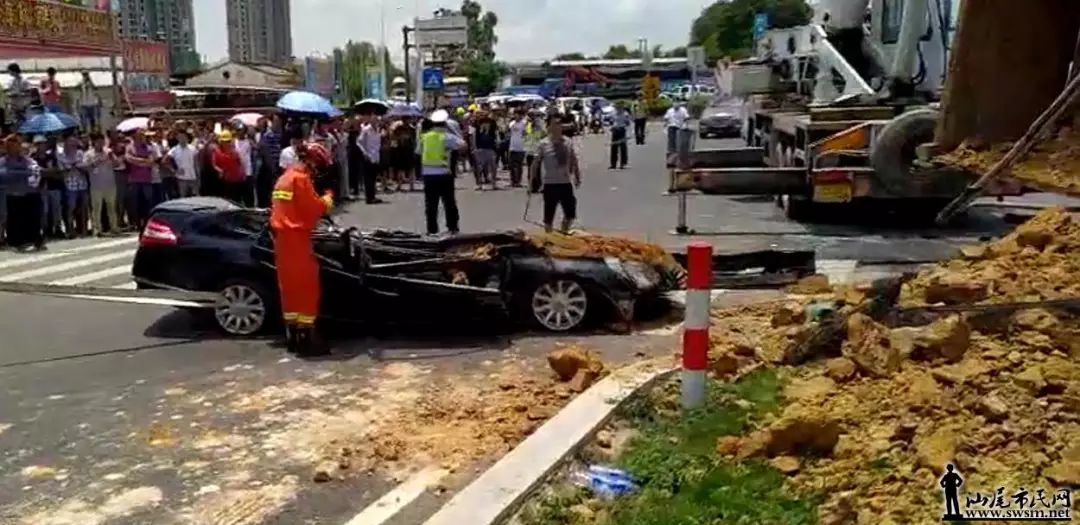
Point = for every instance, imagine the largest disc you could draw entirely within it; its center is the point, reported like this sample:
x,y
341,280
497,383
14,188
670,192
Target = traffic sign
x,y
761,25
695,56
433,79
442,31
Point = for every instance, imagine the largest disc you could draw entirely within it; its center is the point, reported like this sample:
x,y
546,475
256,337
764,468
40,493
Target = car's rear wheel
x,y
560,305
243,308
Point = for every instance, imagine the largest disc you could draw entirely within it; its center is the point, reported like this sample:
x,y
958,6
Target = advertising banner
x,y
319,75
42,27
146,56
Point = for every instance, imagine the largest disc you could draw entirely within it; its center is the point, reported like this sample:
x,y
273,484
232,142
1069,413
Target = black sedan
x,y
211,245
720,125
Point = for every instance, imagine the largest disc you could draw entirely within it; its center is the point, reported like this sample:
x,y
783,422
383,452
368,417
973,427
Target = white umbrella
x,y
248,119
133,124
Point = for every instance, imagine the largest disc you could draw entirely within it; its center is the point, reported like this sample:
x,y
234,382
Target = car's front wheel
x,y
243,308
559,305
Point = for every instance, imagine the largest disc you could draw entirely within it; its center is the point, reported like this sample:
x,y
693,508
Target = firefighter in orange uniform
x,y
295,211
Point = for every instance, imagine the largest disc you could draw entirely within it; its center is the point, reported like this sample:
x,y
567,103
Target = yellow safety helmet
x,y
225,136
460,112
473,107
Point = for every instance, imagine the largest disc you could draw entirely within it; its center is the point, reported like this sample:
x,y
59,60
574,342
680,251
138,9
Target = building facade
x,y
260,31
170,20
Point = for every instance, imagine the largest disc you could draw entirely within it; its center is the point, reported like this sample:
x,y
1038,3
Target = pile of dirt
x,y
454,423
582,244
1038,261
1054,164
873,427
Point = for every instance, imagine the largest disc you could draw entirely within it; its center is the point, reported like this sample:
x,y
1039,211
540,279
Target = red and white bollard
x,y
695,357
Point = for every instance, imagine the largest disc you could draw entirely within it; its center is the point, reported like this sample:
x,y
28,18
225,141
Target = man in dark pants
x,y
356,173
270,145
619,151
641,116
435,146
370,144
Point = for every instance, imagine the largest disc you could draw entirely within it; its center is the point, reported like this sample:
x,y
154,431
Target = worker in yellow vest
x,y
434,147
535,131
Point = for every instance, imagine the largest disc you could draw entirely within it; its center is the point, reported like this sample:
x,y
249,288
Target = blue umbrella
x,y
48,123
306,102
402,109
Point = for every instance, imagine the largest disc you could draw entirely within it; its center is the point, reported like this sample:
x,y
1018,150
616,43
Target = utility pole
x,y
113,64
382,49
408,76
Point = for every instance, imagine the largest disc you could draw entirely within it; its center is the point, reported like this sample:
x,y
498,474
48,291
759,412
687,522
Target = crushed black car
x,y
211,245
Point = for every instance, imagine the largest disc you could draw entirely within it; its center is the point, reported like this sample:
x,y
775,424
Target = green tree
x,y
482,37
726,27
484,74
620,51
570,56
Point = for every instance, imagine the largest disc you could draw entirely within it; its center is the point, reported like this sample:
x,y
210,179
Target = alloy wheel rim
x,y
560,305
240,310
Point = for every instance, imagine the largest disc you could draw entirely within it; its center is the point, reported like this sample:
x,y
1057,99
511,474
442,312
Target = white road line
x,y
68,266
392,502
24,261
130,285
155,301
95,276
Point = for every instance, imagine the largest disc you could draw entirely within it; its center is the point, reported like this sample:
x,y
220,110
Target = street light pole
x,y
382,49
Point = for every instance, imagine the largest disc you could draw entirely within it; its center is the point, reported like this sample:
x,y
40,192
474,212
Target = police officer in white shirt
x,y
675,119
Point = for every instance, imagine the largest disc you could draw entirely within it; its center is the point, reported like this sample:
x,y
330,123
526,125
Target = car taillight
x,y
157,233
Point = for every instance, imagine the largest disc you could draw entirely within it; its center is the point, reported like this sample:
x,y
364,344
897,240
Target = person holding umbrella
x,y
20,178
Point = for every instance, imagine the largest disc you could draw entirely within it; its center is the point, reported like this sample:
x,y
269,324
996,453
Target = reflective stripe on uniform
x,y
305,319
282,195
433,150
290,316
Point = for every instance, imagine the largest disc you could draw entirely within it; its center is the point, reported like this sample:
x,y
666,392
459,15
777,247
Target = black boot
x,y
291,343
310,343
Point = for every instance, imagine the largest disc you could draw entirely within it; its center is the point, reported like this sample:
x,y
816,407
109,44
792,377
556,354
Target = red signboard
x,y
149,99
42,27
144,56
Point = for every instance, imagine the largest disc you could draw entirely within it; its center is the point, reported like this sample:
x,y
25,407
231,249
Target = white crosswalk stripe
x,y
83,262
95,276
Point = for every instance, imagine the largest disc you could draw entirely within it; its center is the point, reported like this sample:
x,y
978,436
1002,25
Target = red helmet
x,y
316,154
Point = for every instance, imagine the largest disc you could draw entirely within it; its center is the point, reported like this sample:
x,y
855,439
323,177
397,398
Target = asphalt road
x,y
122,413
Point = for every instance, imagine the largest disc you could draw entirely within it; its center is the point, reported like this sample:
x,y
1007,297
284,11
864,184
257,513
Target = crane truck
x,y
847,110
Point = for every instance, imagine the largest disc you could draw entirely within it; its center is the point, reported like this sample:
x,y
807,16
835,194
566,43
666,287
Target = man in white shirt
x,y
182,156
675,119
288,155
370,144
517,148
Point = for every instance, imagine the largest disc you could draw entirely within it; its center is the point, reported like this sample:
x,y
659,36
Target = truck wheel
x,y
894,151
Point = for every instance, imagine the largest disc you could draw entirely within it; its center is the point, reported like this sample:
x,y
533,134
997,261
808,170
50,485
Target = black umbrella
x,y
371,106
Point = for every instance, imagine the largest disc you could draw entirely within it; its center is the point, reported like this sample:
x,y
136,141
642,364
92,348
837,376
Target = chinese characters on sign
x,y
54,23
146,57
1023,504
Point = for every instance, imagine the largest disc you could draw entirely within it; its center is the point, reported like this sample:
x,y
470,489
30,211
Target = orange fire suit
x,y
295,210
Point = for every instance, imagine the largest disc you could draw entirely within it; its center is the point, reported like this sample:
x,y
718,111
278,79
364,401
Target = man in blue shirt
x,y
269,160
619,124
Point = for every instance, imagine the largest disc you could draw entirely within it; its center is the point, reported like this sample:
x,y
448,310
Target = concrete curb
x,y
498,492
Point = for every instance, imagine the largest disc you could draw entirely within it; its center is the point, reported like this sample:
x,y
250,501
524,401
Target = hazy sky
x,y
528,29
